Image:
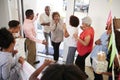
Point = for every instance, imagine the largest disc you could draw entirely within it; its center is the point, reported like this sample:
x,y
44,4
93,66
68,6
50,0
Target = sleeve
x,y
41,19
5,71
52,26
10,72
35,18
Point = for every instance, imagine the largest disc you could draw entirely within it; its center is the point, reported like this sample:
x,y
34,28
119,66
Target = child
x,y
14,28
8,68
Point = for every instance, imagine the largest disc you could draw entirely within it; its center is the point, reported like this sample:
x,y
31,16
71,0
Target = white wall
x,y
99,10
4,14
8,11
29,4
39,5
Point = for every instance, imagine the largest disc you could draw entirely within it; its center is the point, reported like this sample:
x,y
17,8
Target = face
x,y
83,26
32,16
47,10
56,17
16,30
11,47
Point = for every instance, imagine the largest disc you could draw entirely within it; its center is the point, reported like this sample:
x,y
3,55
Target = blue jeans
x,y
71,55
47,35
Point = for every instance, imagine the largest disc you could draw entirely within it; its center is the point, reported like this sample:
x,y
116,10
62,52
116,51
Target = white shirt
x,y
45,19
71,40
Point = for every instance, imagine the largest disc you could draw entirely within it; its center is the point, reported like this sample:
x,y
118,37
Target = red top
x,y
82,50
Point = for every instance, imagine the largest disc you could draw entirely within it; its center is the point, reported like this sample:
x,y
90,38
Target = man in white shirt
x,y
45,19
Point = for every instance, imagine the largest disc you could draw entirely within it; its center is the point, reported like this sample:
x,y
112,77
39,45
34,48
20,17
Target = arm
x,y
35,18
30,33
39,70
46,24
33,38
14,52
84,42
107,73
53,25
66,34
42,21
10,70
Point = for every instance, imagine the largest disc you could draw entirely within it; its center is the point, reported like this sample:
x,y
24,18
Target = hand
x,y
21,60
37,14
48,24
64,26
47,62
98,42
75,36
14,52
44,42
99,72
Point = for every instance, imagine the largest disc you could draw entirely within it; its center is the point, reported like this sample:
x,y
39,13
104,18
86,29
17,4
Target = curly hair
x,y
63,72
6,38
29,12
74,21
13,23
55,13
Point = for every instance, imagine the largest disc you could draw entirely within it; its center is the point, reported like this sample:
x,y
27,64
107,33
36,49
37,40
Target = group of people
x,y
55,28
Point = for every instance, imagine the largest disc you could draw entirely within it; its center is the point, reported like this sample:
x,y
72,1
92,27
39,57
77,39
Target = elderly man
x,y
45,19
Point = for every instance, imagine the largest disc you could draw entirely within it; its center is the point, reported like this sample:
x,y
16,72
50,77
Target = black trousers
x,y
56,50
80,61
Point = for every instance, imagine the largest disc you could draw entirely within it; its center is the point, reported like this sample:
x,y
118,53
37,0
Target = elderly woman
x,y
84,42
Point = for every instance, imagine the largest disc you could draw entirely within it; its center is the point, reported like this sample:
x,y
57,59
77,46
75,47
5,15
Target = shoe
x,y
36,62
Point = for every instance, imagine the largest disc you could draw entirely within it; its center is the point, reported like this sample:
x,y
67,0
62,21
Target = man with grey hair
x,y
45,19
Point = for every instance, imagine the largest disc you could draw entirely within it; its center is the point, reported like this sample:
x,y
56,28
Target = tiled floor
x,y
89,71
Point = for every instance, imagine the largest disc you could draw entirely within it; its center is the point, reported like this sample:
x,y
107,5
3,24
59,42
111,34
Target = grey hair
x,y
87,20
